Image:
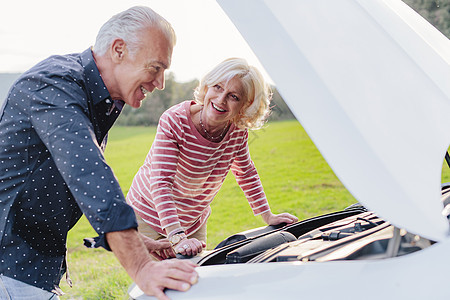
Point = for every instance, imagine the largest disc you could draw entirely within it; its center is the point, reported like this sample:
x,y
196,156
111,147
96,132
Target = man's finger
x,y
160,294
156,255
176,284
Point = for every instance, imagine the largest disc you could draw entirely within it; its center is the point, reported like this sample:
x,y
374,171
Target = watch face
x,y
175,239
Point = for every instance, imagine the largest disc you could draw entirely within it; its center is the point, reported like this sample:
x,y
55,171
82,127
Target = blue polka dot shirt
x,y
53,129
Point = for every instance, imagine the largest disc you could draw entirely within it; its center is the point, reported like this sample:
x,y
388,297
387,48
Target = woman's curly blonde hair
x,y
256,108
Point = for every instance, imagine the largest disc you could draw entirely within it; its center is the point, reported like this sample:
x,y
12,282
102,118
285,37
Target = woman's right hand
x,y
189,247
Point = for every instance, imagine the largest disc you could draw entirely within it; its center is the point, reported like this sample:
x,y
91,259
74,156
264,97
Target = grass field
x,y
296,179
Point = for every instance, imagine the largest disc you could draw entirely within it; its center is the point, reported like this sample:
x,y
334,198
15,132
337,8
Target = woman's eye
x,y
235,97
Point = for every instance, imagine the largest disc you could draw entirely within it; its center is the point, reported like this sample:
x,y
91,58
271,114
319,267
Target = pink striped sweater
x,y
183,172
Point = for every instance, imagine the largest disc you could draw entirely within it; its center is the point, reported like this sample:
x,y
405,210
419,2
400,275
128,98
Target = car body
x,y
369,80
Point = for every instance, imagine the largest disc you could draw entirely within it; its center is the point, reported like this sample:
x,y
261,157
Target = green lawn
x,y
295,177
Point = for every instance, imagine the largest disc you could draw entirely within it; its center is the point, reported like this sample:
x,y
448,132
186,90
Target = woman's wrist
x,y
176,236
266,216
175,231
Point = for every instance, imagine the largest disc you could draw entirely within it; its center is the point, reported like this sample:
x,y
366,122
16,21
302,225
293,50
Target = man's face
x,y
135,75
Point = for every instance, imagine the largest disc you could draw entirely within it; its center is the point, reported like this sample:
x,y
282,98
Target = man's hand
x,y
150,276
174,274
160,249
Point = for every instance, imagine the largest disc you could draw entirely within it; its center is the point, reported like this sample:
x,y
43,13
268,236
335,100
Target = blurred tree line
x,y
174,92
437,12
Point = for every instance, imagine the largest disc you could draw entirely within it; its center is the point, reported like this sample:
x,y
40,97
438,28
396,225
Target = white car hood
x,y
369,80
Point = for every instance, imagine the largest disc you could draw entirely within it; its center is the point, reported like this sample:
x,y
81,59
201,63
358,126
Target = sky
x,y
32,30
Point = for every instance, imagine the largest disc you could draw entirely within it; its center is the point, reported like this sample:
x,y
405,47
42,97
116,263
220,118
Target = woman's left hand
x,y
272,219
190,247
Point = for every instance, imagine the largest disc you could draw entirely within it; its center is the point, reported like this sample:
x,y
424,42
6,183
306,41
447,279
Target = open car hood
x,y
369,80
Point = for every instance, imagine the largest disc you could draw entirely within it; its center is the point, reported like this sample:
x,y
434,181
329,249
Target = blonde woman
x,y
196,145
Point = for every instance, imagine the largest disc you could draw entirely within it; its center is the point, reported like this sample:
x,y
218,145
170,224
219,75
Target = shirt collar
x,y
94,81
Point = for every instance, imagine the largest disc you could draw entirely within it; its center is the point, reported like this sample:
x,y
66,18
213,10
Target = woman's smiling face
x,y
223,102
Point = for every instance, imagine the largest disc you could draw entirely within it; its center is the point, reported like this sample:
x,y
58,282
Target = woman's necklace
x,y
208,136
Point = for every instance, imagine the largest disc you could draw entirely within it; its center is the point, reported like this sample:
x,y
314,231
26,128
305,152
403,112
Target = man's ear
x,y
118,50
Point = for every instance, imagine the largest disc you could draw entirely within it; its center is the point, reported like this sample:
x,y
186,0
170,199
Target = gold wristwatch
x,y
176,238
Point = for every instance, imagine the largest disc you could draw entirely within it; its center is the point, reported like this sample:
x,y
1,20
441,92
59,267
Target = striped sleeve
x,y
248,179
155,179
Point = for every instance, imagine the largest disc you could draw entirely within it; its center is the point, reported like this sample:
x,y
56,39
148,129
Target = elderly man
x,y
53,128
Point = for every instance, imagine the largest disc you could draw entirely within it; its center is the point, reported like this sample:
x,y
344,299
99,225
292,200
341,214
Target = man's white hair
x,y
127,25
